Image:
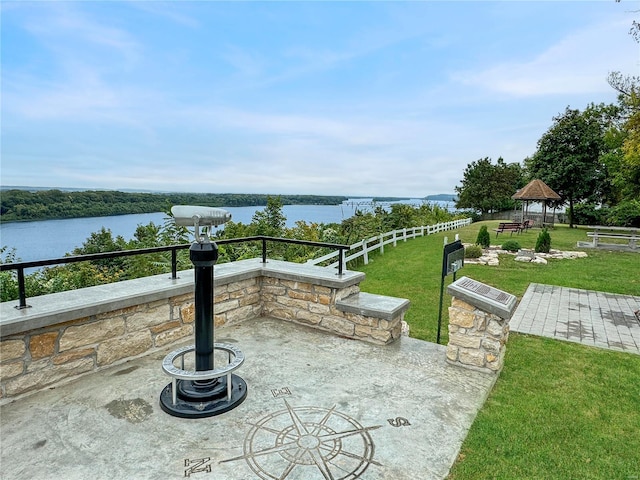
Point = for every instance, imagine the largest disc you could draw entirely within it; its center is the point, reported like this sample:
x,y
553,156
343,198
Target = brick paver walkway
x,y
598,319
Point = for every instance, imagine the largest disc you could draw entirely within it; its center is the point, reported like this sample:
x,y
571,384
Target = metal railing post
x,y
22,291
264,250
174,264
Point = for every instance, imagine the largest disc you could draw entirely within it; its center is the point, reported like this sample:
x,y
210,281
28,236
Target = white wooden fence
x,y
363,247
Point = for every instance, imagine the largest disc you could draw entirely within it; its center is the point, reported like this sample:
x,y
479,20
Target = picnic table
x,y
508,227
513,227
630,234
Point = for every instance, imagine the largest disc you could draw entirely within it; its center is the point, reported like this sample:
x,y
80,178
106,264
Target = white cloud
x,y
577,64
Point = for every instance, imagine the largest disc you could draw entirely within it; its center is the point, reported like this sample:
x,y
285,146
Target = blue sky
x,y
345,98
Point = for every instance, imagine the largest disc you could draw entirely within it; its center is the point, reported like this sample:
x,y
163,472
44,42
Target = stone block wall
x,y
33,359
236,301
476,338
39,358
315,305
43,357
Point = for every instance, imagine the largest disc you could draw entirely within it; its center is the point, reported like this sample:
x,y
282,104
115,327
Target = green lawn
x,y
559,410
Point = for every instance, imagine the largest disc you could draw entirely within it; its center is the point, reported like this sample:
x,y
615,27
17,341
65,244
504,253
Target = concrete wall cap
x,y
372,305
61,307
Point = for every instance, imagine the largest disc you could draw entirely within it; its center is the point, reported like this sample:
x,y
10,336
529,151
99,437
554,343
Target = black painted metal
x,y
204,256
215,403
174,264
264,251
22,292
20,266
203,398
453,251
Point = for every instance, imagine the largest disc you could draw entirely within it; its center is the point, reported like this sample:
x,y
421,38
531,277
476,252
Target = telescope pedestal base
x,y
196,399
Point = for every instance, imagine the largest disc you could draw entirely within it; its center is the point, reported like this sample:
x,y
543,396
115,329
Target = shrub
x,y
511,246
588,214
625,214
543,244
483,238
473,251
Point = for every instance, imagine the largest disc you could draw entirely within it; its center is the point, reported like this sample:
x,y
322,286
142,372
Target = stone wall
x,y
320,307
476,338
43,357
56,350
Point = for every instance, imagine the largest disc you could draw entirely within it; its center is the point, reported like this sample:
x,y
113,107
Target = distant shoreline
x,y
32,204
448,197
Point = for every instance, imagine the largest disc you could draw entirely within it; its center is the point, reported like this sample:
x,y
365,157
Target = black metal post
x,y
204,256
440,310
174,264
209,395
264,250
22,291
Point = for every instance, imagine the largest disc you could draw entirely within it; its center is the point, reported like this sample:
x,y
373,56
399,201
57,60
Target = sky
x,y
362,98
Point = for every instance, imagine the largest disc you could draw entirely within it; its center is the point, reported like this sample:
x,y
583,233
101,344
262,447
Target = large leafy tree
x,y
568,157
625,169
487,187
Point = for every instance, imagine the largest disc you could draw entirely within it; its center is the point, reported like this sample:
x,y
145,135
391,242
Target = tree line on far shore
x,y
24,205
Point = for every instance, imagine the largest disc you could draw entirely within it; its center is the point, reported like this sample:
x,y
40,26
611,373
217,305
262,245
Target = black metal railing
x,y
21,266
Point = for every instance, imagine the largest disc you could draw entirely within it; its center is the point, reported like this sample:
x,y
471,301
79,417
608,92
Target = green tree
x,y
625,167
100,242
568,157
483,239
487,187
360,226
543,243
270,221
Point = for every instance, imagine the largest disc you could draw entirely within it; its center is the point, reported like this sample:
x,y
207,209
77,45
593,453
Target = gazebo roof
x,y
536,190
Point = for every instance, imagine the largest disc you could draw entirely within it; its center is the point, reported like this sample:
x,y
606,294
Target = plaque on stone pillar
x,y
483,296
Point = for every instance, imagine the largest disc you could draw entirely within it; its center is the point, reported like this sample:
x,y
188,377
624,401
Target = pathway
x,y
592,318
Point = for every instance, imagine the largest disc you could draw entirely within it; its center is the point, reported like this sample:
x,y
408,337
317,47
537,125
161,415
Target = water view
x,y
48,239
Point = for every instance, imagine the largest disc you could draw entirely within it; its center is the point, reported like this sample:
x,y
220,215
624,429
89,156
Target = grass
x,y
413,270
559,410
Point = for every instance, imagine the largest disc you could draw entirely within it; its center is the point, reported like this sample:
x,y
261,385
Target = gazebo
x,y
537,191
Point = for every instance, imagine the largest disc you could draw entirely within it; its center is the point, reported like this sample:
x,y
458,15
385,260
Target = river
x,y
47,239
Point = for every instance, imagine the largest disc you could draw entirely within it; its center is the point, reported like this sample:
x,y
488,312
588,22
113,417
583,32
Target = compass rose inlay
x,y
308,443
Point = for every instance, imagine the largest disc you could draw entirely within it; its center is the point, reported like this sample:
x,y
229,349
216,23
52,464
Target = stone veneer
x,y
72,333
476,338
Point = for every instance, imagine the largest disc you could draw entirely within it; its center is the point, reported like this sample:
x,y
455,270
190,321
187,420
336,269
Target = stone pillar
x,y
478,325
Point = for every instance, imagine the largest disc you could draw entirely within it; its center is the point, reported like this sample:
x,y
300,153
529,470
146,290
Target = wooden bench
x,y
508,227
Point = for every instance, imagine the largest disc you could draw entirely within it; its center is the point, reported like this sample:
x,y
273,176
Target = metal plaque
x,y
483,296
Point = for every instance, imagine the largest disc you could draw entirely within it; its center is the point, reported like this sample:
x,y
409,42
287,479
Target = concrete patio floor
x,y
369,412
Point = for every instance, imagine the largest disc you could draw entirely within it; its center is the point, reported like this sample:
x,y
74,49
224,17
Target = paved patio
x,y
598,319
319,407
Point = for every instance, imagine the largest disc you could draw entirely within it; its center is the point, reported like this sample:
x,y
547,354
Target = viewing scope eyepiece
x,y
193,216
189,216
